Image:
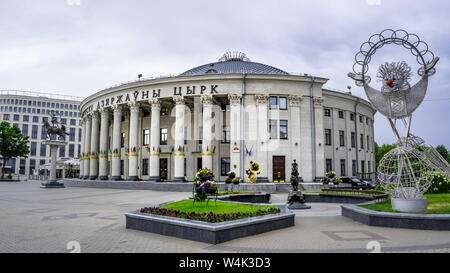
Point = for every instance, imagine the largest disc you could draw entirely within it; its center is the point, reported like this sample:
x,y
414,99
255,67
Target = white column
x,y
93,162
179,140
83,135
319,133
53,152
116,151
103,155
154,140
87,146
207,154
263,137
133,152
235,133
294,131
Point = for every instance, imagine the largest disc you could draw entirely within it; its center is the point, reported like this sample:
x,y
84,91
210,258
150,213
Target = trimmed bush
x,y
440,184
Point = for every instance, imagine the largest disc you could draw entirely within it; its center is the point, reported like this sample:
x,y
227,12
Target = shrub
x,y
440,184
379,188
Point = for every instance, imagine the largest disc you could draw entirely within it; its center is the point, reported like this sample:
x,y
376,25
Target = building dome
x,y
233,63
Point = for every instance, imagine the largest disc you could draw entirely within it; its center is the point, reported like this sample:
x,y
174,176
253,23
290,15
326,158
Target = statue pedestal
x,y
296,201
52,182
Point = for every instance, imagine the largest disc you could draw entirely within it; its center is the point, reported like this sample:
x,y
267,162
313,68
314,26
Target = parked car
x,y
356,182
372,184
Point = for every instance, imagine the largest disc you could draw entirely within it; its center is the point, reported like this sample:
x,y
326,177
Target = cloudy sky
x,y
78,47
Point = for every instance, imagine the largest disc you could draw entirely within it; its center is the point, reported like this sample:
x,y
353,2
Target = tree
x,y
12,143
444,152
380,151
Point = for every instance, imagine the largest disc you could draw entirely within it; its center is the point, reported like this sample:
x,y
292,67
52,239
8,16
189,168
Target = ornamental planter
x,y
213,233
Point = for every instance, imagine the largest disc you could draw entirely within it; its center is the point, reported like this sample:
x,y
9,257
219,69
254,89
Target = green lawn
x,y
438,203
222,207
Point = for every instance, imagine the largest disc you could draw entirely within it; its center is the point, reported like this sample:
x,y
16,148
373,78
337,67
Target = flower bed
x,y
212,213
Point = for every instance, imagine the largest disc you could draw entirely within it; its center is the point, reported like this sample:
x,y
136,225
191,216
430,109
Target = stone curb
x,y
396,220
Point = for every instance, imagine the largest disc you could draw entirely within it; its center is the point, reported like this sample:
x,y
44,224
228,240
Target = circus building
x,y
221,116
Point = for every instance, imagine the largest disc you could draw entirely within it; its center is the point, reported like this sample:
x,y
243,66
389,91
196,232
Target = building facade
x,y
222,116
28,111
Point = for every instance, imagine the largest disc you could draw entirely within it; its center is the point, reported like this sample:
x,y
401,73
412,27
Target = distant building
x,y
28,111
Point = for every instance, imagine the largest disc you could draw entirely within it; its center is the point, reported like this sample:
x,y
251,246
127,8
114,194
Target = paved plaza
x,y
46,220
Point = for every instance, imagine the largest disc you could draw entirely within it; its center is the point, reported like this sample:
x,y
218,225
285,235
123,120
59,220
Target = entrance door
x,y
199,163
163,169
279,169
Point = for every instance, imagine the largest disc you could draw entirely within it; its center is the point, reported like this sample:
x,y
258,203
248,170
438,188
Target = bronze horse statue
x,y
55,130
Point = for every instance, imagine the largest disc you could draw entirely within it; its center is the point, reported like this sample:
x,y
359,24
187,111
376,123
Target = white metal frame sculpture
x,y
405,172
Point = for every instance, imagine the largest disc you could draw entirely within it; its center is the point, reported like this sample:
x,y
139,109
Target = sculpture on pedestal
x,y
295,198
406,171
60,132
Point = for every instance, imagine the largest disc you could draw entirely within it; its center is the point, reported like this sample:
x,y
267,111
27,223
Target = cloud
x,y
52,46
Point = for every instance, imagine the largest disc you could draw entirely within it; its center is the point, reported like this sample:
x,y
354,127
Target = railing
x,y
40,95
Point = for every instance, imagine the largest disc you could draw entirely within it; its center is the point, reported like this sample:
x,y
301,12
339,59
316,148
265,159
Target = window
x,y
22,166
327,112
43,132
5,116
342,167
73,122
33,148
32,165
72,134
225,166
341,138
273,129
327,136
122,140
360,118
34,131
353,167
362,140
341,114
71,150
283,103
26,118
164,111
273,102
283,129
62,151
368,166
145,166
25,129
328,165
63,121
353,140
146,137
352,116
163,136
43,150
79,134
362,166
367,121
35,119
16,117
368,146
226,134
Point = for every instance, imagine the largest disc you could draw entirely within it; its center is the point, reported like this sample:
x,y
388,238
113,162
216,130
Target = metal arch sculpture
x,y
405,171
394,102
